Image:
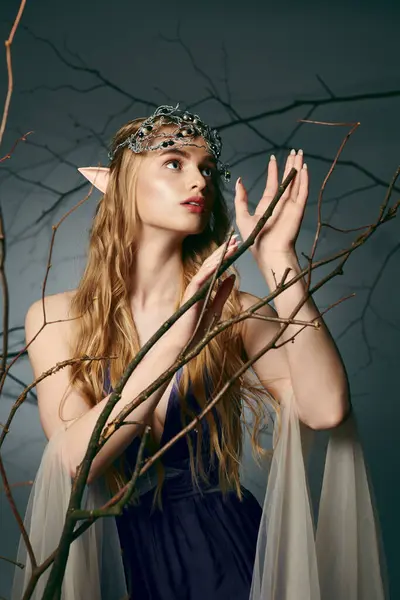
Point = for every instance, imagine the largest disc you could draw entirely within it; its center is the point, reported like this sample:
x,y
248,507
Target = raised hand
x,y
279,234
186,324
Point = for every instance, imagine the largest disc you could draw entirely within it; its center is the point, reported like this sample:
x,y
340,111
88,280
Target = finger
x,y
216,255
298,165
270,190
211,263
289,165
241,200
272,178
302,195
221,297
232,242
215,258
231,248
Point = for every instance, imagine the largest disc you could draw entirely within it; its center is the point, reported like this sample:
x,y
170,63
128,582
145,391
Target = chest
x,y
146,325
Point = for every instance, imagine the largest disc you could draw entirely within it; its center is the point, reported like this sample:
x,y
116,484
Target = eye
x,y
211,171
176,161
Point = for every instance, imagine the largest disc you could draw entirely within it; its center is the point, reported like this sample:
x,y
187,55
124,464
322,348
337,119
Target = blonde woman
x,y
157,235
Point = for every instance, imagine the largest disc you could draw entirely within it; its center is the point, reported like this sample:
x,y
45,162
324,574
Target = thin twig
x,y
8,44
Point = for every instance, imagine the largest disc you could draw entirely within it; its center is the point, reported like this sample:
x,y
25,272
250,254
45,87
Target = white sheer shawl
x,y
340,559
94,567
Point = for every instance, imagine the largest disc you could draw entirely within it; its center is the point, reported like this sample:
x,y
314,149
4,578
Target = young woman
x,y
157,236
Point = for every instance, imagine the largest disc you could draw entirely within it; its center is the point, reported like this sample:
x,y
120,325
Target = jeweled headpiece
x,y
189,126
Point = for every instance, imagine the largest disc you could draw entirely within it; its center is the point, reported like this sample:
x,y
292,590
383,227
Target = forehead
x,y
189,152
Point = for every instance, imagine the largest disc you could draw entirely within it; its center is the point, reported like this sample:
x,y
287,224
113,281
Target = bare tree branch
x,y
8,44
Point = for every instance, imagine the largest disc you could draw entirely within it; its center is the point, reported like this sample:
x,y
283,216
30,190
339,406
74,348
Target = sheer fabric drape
x,y
341,558
94,568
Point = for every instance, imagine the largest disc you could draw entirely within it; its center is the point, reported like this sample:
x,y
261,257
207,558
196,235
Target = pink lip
x,y
194,208
199,199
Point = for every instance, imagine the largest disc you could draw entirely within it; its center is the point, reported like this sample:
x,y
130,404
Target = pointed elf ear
x,y
99,176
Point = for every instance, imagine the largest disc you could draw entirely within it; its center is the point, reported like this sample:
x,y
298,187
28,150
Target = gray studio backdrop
x,y
80,74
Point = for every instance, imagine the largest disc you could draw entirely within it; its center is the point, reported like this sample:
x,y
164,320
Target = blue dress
x,y
201,546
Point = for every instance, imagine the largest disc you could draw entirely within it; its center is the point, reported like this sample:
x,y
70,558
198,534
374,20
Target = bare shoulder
x,y
55,308
49,330
247,300
50,317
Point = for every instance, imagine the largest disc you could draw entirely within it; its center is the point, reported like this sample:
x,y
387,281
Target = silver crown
x,y
189,126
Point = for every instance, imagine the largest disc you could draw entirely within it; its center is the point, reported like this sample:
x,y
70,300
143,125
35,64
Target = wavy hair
x,y
107,327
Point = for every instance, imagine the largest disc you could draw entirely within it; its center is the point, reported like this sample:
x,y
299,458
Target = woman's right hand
x,y
186,324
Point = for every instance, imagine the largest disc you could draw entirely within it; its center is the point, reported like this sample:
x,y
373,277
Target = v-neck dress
x,y
200,546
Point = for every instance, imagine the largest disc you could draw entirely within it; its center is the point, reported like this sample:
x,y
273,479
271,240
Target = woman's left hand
x,y
279,234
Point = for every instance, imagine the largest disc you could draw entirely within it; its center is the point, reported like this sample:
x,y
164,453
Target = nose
x,y
197,180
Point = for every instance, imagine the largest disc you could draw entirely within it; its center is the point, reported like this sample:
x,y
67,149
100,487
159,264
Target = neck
x,y
156,274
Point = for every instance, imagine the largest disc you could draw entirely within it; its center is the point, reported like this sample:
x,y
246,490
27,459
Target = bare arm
x,y
51,346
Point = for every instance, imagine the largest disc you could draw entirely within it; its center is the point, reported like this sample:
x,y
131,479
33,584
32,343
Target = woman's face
x,y
168,177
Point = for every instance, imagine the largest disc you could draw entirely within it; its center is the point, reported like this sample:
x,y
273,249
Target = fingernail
x,y
305,166
300,152
239,180
293,152
272,157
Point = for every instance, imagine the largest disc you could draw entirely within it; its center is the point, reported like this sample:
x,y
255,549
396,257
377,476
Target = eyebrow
x,y
185,154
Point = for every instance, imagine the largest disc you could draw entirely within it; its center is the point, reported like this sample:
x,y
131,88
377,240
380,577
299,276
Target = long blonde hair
x,y
107,325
